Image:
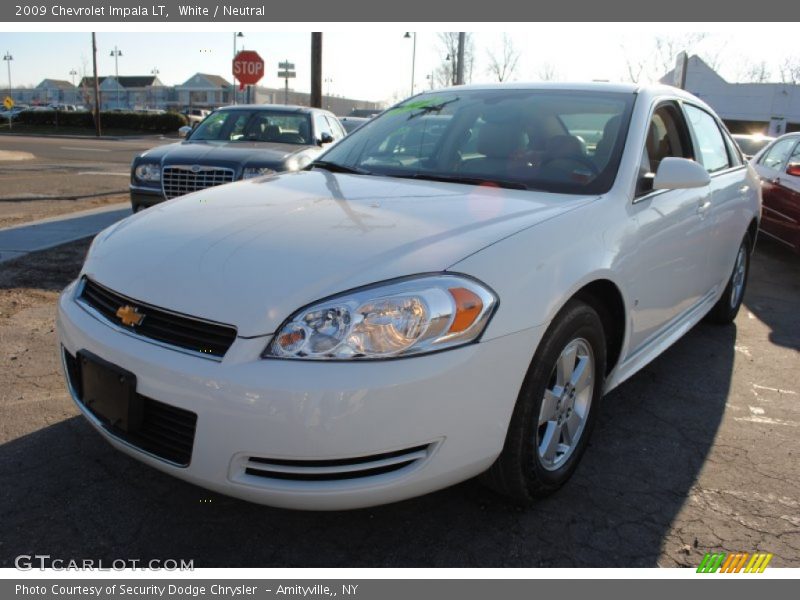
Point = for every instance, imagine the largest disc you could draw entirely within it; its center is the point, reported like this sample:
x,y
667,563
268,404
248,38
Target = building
x,y
769,108
125,92
202,90
336,104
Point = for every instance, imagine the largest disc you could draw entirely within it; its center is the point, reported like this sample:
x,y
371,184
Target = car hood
x,y
190,152
252,253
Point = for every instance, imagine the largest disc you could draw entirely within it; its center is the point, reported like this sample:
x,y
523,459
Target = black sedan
x,y
232,143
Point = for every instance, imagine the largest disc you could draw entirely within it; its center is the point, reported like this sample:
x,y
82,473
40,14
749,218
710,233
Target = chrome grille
x,y
177,180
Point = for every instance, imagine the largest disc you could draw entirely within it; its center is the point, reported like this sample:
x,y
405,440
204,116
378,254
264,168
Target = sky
x,y
373,61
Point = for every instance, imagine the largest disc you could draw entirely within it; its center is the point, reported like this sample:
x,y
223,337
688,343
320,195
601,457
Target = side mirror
x,y
184,131
325,138
680,173
793,169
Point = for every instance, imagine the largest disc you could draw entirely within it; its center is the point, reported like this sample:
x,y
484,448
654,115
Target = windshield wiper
x,y
491,182
337,168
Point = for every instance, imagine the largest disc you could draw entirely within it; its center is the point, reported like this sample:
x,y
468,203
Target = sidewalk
x,y
53,231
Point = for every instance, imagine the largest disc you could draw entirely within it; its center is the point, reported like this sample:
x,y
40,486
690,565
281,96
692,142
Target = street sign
x,y
287,74
8,102
248,68
286,66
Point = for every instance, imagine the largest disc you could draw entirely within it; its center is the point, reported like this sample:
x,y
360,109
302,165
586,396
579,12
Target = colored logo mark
x,y
737,562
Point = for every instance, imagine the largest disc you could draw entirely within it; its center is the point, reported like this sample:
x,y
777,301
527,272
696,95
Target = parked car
x,y
778,166
195,116
350,124
751,144
235,142
402,316
63,107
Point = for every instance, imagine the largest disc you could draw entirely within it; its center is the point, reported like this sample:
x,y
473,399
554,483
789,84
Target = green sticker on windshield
x,y
426,104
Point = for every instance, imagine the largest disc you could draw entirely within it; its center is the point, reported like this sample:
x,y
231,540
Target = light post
x,y
452,62
72,74
8,58
430,78
412,35
236,34
154,72
116,53
328,81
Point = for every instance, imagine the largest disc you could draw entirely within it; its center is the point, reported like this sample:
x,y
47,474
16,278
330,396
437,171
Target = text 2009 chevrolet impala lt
x,y
448,292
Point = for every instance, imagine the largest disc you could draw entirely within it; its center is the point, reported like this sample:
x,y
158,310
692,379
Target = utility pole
x,y
316,69
460,64
96,87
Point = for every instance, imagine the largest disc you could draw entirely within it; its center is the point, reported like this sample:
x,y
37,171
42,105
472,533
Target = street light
x,y
452,62
8,58
410,35
72,73
238,34
328,81
154,72
116,53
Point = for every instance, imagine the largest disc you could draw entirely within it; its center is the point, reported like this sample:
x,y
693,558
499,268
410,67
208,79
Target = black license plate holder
x,y
109,392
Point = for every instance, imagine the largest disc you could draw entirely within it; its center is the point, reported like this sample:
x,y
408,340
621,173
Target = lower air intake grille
x,y
166,431
336,470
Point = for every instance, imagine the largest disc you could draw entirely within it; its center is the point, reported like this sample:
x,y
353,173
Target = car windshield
x,y
552,140
752,145
243,125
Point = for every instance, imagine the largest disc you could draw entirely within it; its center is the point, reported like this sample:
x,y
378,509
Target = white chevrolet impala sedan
x,y
447,292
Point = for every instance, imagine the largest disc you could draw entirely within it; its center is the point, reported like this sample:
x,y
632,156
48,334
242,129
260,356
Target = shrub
x,y
135,121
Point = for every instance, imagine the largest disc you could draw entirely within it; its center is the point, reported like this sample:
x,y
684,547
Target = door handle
x,y
776,181
704,204
744,189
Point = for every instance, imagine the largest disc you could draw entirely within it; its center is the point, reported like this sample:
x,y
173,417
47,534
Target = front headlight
x,y
401,318
148,172
251,172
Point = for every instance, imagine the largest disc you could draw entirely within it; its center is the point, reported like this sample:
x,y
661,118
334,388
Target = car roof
x,y
288,108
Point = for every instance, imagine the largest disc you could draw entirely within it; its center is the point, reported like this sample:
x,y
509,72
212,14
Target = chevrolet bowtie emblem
x,y
130,316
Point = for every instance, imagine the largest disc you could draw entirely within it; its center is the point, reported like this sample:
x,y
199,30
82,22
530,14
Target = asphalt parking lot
x,y
698,452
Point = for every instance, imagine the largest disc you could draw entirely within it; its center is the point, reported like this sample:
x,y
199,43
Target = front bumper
x,y
144,197
449,410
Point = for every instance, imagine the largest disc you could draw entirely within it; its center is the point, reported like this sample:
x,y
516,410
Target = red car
x,y
778,165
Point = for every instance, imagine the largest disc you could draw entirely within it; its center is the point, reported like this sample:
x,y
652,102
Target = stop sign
x,y
248,68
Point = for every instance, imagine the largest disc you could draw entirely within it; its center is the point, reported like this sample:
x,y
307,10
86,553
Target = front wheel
x,y
727,307
556,407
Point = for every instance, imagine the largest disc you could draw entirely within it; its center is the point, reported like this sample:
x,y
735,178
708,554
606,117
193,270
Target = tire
x,y
529,467
727,307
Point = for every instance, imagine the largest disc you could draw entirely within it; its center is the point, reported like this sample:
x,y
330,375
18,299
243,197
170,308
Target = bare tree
x,y
650,64
503,66
445,73
790,70
86,87
547,72
754,72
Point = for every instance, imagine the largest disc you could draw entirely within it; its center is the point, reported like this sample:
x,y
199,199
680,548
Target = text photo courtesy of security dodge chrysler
x,y
446,293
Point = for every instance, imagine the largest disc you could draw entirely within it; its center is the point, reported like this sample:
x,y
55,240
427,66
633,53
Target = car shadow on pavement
x,y
774,291
66,493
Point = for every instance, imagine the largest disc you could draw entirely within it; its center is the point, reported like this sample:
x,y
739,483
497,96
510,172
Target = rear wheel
x,y
556,408
727,307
